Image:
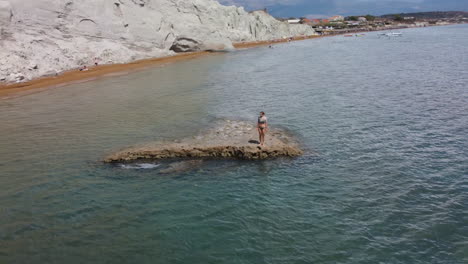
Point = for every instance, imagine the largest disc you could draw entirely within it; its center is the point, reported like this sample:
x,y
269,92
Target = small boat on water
x,y
391,34
354,35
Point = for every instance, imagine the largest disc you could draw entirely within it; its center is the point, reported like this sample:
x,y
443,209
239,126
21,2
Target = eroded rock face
x,y
6,14
186,44
183,44
230,139
61,35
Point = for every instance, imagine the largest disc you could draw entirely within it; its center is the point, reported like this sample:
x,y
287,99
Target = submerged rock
x,y
217,142
181,166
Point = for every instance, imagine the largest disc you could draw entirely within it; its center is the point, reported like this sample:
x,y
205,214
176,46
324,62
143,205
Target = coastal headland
x,y
50,38
46,43
8,90
227,140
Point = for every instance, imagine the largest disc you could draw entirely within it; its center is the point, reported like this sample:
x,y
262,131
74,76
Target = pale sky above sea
x,y
326,8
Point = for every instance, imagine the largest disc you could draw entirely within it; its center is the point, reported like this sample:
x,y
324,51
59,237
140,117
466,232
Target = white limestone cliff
x,y
44,37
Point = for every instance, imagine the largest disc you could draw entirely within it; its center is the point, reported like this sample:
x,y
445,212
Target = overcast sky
x,y
325,8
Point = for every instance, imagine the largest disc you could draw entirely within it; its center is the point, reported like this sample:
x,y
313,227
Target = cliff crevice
x,y
73,33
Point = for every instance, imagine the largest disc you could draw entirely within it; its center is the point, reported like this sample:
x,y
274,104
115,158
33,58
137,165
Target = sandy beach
x,y
102,71
95,72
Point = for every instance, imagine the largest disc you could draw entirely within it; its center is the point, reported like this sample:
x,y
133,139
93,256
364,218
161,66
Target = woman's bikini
x,y
262,122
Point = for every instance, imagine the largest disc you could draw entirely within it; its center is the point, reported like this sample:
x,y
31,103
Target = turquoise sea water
x,y
385,178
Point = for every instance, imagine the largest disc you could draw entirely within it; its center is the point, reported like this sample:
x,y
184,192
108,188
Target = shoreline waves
x,y
95,72
11,90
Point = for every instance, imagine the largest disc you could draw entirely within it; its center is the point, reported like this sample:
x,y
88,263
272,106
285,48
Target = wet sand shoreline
x,y
75,76
95,72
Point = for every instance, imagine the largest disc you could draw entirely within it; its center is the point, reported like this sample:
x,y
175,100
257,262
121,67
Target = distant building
x,y
353,23
294,21
421,24
337,18
408,18
362,19
315,21
442,23
306,21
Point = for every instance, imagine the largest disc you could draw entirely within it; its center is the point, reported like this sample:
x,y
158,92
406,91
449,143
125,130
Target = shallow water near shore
x,y
385,180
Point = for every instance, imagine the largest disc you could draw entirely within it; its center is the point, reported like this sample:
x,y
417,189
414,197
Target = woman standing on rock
x,y
262,127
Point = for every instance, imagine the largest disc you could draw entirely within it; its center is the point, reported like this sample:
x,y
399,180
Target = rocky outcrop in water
x,y
230,139
45,37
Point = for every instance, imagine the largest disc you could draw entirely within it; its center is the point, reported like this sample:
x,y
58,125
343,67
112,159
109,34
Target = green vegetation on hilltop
x,y
429,15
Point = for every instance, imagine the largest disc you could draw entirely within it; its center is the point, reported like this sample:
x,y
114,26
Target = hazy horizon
x,y
326,8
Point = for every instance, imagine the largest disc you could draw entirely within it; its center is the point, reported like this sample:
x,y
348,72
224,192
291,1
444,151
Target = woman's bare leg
x,y
259,136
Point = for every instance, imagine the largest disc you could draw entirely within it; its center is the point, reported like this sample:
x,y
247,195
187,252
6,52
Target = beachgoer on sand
x,y
84,68
262,127
96,62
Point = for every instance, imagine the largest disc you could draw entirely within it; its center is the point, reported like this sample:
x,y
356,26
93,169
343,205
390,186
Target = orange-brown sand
x,y
74,76
262,43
